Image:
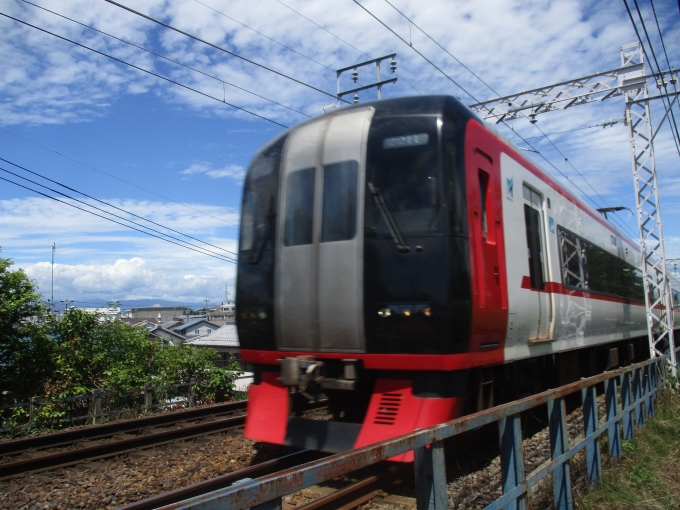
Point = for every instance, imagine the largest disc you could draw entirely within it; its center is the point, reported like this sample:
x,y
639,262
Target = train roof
x,y
437,104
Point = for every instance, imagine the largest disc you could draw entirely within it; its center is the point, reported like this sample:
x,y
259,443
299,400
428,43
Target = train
x,y
405,261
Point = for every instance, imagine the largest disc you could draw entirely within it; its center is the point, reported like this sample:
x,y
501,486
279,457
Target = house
x,y
195,328
223,314
224,340
167,336
164,313
104,314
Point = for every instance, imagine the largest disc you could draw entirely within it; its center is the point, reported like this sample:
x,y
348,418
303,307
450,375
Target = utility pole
x,y
206,308
629,81
54,247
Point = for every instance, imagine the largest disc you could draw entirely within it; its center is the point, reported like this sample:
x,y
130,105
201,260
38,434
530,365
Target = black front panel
x,y
255,275
417,301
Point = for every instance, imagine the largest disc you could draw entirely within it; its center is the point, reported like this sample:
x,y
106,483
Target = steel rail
x,y
97,431
272,487
101,451
220,482
359,492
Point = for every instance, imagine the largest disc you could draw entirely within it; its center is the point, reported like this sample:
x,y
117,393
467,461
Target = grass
x,y
648,475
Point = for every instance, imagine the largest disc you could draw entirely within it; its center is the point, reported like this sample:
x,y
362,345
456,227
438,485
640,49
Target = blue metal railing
x,y
637,402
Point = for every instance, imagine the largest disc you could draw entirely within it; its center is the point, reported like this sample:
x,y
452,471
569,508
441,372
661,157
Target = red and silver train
x,y
406,261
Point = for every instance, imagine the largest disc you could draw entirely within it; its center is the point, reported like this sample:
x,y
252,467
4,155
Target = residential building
x,y
104,314
223,314
195,328
224,340
164,313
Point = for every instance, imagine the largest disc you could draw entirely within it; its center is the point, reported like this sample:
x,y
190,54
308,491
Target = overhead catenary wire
x,y
166,58
114,221
264,35
563,132
142,69
191,36
343,41
658,69
414,49
477,101
186,245
668,63
113,206
442,47
118,178
644,50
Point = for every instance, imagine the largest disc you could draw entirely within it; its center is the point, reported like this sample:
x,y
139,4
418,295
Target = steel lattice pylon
x,y
629,81
657,288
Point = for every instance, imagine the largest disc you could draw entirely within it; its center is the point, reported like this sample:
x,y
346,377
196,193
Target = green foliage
x,y
43,356
627,446
25,348
648,474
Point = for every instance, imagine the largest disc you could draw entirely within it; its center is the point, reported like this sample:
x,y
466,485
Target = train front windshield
x,y
403,165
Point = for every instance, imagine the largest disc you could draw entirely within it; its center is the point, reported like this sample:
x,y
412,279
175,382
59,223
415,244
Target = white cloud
x,y
514,45
236,172
106,259
133,278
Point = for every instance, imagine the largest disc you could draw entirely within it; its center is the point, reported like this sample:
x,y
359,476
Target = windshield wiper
x,y
387,216
261,235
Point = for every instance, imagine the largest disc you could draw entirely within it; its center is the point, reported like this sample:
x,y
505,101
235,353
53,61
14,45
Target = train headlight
x,y
405,310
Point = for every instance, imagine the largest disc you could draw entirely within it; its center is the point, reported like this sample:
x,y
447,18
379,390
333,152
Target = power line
x,y
342,40
570,164
414,49
658,68
476,100
563,132
113,206
143,70
114,221
442,47
637,33
663,45
263,35
187,34
118,178
660,35
205,252
166,58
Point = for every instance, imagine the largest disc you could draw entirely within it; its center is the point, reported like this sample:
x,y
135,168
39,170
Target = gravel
x,y
139,475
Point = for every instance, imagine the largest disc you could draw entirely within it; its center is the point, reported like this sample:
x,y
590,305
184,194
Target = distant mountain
x,y
134,303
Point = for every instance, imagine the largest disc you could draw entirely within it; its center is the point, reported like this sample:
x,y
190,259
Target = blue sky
x,y
193,150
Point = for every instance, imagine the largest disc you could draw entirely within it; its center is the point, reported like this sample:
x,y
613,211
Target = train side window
x,y
532,219
573,270
248,219
299,216
339,215
586,266
483,191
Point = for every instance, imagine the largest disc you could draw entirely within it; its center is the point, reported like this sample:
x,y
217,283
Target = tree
x,y
25,350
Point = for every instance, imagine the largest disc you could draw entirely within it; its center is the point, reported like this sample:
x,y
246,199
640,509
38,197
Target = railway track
x,y
220,482
65,438
70,448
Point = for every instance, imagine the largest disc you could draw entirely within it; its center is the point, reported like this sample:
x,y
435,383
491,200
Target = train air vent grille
x,y
388,409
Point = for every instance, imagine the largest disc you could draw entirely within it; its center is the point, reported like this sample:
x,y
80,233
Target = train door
x,y
319,292
537,259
